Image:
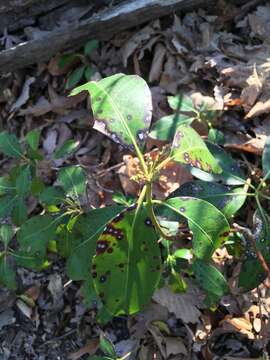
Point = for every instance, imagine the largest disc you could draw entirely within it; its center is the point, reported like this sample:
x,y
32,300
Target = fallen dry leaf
x,y
90,348
24,96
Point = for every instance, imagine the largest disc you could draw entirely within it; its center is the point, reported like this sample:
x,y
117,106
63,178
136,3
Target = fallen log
x,y
101,25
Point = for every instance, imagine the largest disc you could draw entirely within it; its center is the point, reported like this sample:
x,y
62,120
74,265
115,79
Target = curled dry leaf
x,y
239,324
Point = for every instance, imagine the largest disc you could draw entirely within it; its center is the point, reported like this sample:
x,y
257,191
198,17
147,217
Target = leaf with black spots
x,y
209,226
188,148
252,272
231,172
79,241
122,108
127,265
228,200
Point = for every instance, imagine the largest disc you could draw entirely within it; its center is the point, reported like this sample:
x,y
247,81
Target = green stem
x,y
149,205
262,182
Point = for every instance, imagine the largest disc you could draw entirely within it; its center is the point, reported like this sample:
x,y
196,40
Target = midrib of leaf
x,y
124,124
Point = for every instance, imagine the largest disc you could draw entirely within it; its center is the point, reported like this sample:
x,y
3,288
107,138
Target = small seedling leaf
x,y
32,139
122,107
181,103
75,77
90,46
66,149
9,145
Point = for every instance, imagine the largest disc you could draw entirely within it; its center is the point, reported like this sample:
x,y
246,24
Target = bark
x,y
71,35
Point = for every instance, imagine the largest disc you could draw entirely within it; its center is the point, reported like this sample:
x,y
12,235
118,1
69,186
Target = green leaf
x,y
216,137
82,240
9,145
88,293
19,212
89,72
75,77
66,59
52,195
73,180
182,254
37,186
122,107
209,226
211,280
164,129
32,139
23,181
6,233
188,148
106,346
252,273
67,148
228,200
231,171
90,46
35,261
7,274
7,202
127,265
35,234
266,158
5,185
181,103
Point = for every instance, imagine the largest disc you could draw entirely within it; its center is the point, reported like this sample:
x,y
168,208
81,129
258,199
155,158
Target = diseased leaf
x,y
81,240
266,159
122,107
231,171
35,234
181,103
9,145
188,148
164,129
252,273
66,149
73,180
127,265
228,200
7,274
211,280
209,226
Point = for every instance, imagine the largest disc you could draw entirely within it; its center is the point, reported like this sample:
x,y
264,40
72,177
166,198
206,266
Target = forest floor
x,y
219,58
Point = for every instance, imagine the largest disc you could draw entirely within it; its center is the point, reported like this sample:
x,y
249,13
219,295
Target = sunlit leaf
x,y
216,137
252,272
181,103
106,346
231,171
209,226
127,265
211,280
228,200
164,129
188,148
9,145
122,107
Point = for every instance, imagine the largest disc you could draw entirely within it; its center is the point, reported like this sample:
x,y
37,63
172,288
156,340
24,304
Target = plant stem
x,y
262,182
149,204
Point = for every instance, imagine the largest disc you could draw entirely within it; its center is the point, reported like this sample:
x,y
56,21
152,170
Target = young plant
x,y
120,252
